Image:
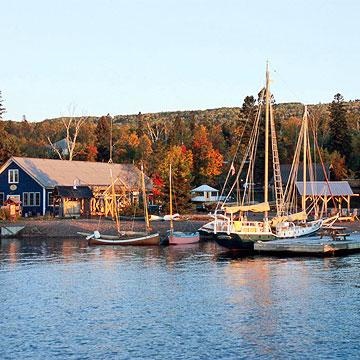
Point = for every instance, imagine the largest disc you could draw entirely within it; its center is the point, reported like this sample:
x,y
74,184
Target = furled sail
x,y
292,217
261,207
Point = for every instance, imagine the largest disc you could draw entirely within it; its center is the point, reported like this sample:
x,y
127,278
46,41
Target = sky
x,y
93,57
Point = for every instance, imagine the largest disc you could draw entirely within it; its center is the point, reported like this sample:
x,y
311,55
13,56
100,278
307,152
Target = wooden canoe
x,y
126,238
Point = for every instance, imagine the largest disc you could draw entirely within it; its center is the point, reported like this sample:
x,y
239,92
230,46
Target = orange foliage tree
x,y
181,160
207,160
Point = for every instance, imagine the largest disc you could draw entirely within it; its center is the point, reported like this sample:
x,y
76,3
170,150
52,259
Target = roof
x,y
78,192
203,188
50,172
331,188
61,144
318,172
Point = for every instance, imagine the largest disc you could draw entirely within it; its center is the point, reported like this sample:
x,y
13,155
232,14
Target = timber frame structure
x,y
102,202
324,192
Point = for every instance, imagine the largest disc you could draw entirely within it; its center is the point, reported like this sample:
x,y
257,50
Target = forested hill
x,y
202,142
282,110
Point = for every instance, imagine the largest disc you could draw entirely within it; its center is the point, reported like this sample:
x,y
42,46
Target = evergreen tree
x,y
9,146
2,109
339,137
102,133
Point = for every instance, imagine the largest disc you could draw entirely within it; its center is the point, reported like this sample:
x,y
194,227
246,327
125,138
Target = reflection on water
x,y
65,299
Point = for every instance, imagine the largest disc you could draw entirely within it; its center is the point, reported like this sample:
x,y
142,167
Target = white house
x,y
205,194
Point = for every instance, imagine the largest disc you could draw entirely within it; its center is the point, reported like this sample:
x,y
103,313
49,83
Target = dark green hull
x,y
234,241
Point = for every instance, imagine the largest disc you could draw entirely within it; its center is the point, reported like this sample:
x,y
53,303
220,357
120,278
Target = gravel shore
x,y
68,228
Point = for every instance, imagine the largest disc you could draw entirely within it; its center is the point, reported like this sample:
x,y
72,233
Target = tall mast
x,y
114,204
146,214
267,112
111,139
171,209
305,140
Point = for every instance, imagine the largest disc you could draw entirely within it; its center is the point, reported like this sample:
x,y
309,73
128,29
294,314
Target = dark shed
x,y
73,201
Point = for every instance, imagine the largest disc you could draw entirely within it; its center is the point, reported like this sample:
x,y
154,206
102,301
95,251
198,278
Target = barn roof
x,y
317,170
50,172
331,188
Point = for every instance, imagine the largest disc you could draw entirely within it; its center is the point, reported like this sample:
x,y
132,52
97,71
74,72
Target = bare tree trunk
x,y
72,125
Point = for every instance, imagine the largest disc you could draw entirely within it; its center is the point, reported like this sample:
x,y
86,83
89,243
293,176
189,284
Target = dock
x,y
341,243
10,231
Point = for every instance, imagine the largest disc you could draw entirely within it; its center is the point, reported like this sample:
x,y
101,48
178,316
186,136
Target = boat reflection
x,y
10,249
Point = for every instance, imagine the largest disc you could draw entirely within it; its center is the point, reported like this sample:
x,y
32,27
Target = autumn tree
x,y
180,132
339,136
207,160
145,149
131,146
181,160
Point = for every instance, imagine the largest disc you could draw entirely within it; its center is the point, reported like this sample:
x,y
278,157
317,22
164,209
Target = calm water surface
x,y
63,299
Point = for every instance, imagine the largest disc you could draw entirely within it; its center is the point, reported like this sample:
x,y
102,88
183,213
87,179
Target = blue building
x,y
32,181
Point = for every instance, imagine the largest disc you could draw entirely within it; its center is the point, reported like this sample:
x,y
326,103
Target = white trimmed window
x,y
50,199
13,176
2,198
31,199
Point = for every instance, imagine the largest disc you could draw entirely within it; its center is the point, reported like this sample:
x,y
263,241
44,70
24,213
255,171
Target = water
x,y
63,299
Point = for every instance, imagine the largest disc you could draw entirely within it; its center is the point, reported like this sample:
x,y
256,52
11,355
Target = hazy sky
x,y
122,57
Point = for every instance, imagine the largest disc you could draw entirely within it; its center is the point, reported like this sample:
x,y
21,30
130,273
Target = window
x,y
2,198
13,176
50,199
31,199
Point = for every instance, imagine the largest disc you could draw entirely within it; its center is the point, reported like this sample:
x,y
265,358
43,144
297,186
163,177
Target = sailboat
x,y
232,228
179,237
291,223
145,238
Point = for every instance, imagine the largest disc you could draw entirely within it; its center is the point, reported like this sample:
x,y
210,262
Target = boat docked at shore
x,y
145,238
179,237
232,228
124,238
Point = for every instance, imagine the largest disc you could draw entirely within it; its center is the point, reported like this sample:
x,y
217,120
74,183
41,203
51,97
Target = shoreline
x,y
68,228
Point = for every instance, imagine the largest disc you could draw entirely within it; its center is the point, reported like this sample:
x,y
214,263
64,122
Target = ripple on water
x,y
66,300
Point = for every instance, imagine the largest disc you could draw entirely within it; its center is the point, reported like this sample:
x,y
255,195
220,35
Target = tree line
x,y
200,145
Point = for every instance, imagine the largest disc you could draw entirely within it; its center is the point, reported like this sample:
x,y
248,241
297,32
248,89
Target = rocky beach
x,y
68,228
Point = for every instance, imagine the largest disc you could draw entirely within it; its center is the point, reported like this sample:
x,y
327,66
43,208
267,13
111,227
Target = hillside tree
x,y
339,136
72,126
102,133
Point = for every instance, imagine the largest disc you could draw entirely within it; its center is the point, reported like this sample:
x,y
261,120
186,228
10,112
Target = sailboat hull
x,y
181,238
140,239
237,241
288,230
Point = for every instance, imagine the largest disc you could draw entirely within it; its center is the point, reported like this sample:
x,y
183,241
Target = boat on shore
x,y
126,238
179,237
145,238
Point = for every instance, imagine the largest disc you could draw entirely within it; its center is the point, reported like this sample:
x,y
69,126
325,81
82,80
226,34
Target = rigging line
x,y
249,147
233,160
286,85
324,170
